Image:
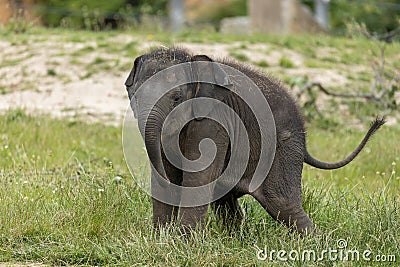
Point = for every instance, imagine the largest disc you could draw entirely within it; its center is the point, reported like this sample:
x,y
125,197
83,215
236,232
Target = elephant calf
x,y
279,192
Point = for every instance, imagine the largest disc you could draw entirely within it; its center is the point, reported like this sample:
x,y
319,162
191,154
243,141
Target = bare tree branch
x,y
389,36
309,86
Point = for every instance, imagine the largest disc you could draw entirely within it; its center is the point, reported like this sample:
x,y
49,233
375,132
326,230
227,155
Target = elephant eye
x,y
177,97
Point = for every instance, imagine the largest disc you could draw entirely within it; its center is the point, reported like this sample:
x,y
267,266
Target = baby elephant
x,y
280,189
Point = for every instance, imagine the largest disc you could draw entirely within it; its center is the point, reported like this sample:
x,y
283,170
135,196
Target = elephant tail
x,y
335,165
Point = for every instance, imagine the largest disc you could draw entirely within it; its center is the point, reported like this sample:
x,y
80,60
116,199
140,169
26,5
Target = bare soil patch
x,y
81,79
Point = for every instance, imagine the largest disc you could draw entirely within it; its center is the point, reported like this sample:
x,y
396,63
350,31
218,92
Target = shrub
x,y
378,15
99,14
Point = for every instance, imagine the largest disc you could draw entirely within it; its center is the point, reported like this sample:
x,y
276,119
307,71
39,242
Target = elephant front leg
x,y
163,214
162,196
193,218
198,186
228,210
195,198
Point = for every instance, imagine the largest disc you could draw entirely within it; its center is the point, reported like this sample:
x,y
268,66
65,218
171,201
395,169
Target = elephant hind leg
x,y
280,194
289,212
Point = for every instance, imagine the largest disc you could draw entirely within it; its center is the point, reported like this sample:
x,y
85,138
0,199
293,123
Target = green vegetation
x,y
262,64
96,15
378,15
220,10
51,72
239,56
285,62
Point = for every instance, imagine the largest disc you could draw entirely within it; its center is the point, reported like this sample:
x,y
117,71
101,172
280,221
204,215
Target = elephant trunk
x,y
151,131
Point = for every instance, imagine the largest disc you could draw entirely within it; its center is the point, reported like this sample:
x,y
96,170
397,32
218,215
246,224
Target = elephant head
x,y
163,79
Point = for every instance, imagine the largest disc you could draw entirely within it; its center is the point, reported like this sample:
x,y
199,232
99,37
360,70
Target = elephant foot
x,y
296,220
289,212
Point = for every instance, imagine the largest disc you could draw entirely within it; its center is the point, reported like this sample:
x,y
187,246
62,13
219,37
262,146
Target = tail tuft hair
x,y
376,124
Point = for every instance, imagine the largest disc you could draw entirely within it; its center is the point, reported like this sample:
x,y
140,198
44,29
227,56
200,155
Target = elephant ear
x,y
133,75
207,72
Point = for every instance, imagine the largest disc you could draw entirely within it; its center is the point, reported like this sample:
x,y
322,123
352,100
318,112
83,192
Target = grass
x,y
239,56
61,203
12,62
262,64
285,62
361,175
317,63
98,60
51,72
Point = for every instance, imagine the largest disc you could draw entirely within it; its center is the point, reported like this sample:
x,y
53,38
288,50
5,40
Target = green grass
x,y
51,72
62,205
361,175
239,56
262,64
98,60
317,63
285,62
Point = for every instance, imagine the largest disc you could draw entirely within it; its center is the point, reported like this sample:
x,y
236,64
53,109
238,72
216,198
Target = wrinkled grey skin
x,y
280,194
